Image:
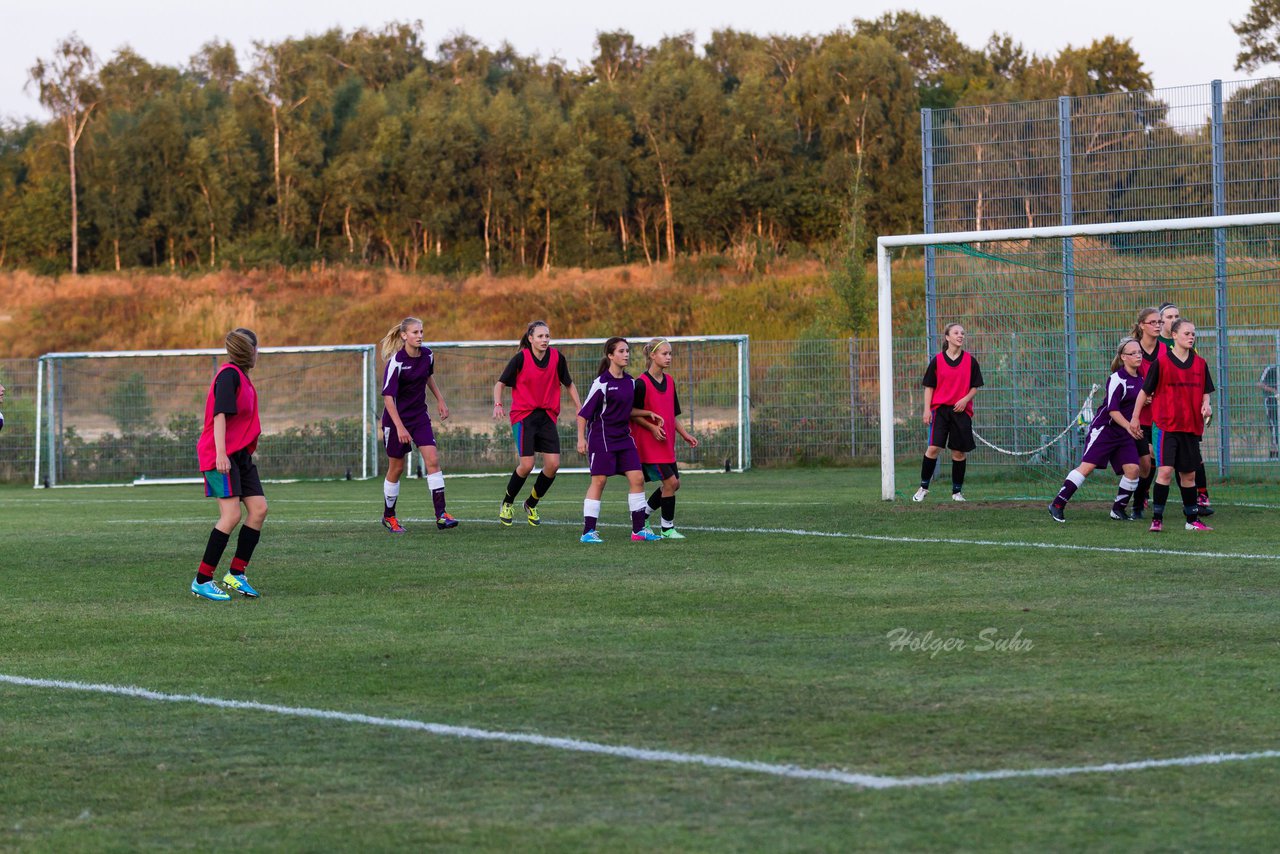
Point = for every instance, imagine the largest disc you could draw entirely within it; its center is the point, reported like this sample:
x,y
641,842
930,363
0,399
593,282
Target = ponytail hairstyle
x,y
1136,332
524,339
242,347
651,348
1178,324
392,343
1124,342
609,347
946,330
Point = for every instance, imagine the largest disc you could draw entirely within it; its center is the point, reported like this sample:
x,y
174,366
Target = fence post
x,y
1068,259
1220,288
853,402
930,280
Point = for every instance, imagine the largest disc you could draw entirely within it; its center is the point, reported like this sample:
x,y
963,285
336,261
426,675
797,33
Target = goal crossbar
x,y
884,289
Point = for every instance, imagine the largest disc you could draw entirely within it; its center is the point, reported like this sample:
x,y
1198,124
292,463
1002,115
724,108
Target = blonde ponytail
x,y
242,347
392,343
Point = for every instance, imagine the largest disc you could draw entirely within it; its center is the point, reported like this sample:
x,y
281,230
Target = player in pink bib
x,y
656,392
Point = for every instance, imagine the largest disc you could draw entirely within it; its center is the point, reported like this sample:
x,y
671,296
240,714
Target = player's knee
x,y
523,468
674,485
958,456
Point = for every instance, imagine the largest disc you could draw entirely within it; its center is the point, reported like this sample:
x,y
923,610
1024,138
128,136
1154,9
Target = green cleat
x,y
532,513
672,534
505,513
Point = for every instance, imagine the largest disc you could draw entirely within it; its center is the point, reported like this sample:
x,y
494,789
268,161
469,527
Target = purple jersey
x,y
607,411
1122,394
405,379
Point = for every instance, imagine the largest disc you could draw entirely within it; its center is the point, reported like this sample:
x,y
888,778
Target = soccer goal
x,y
134,416
1045,308
713,382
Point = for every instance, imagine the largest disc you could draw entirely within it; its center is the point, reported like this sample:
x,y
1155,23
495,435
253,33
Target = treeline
x,y
356,147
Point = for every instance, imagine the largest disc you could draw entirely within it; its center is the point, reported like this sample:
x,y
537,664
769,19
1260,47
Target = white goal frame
x,y
884,290
45,397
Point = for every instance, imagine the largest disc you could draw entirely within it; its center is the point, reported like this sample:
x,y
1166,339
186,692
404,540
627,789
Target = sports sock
x,y
245,544
1124,493
1143,491
668,512
637,502
957,475
1159,496
540,487
655,500
590,514
390,494
1189,507
514,485
927,469
1069,486
1202,481
212,554
435,482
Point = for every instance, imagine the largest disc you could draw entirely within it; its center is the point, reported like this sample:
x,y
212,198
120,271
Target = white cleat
x,y
957,496
920,494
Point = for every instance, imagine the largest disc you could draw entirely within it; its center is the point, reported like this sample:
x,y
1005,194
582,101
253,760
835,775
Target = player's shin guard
x,y
1126,491
1202,481
637,503
213,550
1189,507
655,500
245,544
390,494
927,468
590,514
1159,496
540,487
435,482
514,485
669,512
957,475
1143,492
1069,486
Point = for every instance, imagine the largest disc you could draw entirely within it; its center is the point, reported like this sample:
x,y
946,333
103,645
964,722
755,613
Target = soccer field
x,y
812,669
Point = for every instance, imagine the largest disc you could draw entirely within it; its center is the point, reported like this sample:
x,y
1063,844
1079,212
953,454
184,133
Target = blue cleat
x,y
209,590
644,535
239,584
591,537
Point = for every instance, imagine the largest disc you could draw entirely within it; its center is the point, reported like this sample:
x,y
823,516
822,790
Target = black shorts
x,y
240,482
1179,450
1144,444
660,471
951,429
536,434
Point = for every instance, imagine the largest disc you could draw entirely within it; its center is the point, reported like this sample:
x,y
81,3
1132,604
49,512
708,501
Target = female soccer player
x,y
1110,442
410,372
656,390
1178,384
1147,332
224,452
534,375
950,383
1170,314
604,432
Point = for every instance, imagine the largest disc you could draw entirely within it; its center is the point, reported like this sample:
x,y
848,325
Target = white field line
x,y
787,532
866,781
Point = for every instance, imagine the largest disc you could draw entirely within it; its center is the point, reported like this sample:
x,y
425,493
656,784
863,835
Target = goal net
x,y
1044,310
135,416
712,381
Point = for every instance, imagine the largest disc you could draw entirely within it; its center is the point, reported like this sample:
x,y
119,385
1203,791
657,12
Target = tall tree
x,y
68,89
1259,34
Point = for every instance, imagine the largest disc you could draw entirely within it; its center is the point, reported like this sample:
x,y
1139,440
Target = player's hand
x,y
582,447
222,464
656,419
1206,411
658,433
444,411
1135,429
928,418
959,407
498,412
692,440
403,435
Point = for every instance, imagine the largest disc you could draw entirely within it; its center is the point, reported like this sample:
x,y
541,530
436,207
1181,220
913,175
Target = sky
x,y
1182,42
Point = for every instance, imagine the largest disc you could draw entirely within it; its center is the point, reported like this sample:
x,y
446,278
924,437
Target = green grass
x,y
752,646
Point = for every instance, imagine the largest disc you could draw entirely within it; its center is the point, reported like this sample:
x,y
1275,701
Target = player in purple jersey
x,y
1110,441
604,434
409,373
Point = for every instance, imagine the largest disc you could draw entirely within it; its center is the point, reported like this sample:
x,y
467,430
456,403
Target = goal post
x,y
133,416
1072,292
711,372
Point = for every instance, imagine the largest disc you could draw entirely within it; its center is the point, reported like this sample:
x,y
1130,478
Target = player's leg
x,y
1074,480
228,517
636,502
670,485
520,434
591,506
547,441
435,482
397,455
255,506
1128,485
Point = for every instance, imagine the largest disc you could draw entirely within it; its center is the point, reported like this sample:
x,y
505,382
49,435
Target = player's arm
x,y
582,435
1135,426
506,380
402,434
1206,408
963,402
441,406
222,461
685,434
651,420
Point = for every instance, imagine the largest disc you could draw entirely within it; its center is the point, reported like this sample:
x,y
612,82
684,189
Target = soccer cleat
x,y
1056,514
505,513
590,537
240,584
1202,506
1156,526
210,591
392,525
672,534
1197,525
445,521
1121,516
957,496
920,494
1138,513
531,513
644,535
